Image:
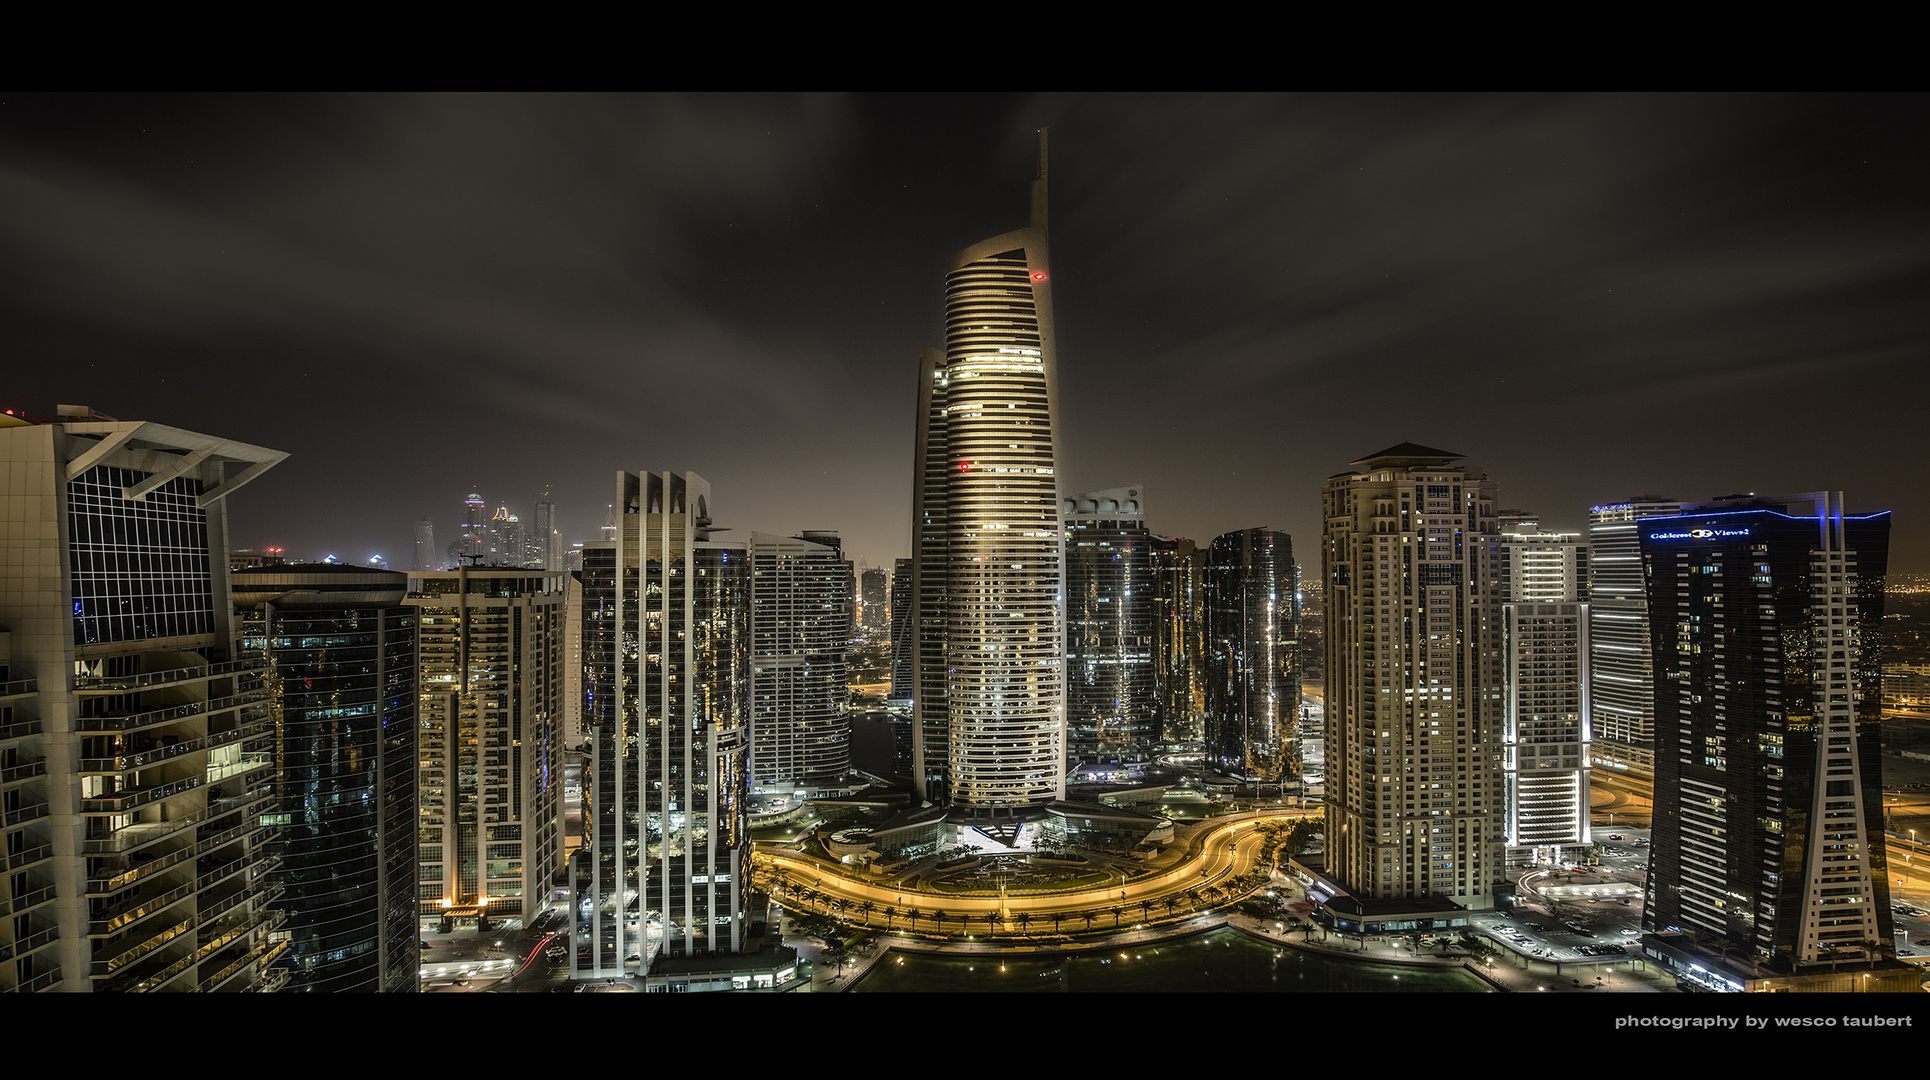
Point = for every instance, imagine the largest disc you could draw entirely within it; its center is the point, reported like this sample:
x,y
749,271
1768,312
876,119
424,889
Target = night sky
x,y
1591,297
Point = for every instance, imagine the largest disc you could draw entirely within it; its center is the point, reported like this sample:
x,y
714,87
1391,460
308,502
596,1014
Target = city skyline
x,y
499,285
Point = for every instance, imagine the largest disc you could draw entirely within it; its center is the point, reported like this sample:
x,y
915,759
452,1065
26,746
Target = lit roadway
x,y
1627,800
1224,852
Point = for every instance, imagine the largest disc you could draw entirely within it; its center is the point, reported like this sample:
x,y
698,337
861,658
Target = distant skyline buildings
x,y
495,538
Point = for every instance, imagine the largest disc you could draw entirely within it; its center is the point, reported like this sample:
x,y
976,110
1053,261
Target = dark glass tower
x,y
1253,677
1179,637
1110,703
1768,839
341,652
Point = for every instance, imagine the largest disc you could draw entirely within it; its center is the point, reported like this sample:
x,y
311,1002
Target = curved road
x,y
1224,852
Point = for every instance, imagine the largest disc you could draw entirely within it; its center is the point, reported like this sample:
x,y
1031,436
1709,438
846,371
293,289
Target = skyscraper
x,y
491,713
902,671
340,646
1542,578
1413,687
1621,677
425,556
139,754
1768,789
874,604
1253,674
472,539
1179,638
544,546
1110,703
800,632
667,646
986,478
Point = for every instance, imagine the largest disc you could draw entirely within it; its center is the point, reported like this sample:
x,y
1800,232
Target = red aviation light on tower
x,y
1038,275
964,466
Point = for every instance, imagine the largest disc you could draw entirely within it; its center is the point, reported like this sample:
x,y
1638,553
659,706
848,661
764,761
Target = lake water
x,y
1224,961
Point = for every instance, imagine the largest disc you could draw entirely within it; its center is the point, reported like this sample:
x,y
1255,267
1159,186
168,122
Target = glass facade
x,y
1110,703
1253,674
342,686
1768,772
140,568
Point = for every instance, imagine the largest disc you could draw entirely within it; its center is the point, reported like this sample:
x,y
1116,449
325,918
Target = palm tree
x,y
1089,916
890,914
912,916
868,908
1116,913
1025,921
1057,918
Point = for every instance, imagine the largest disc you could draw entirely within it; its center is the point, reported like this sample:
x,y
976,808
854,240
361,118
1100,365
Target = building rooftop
x,y
1408,453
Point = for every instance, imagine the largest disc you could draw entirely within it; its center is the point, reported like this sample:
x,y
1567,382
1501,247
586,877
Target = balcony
x,y
141,834
121,684
29,857
126,723
37,941
123,802
26,770
142,758
28,900
40,983
265,953
113,964
18,688
30,812
20,729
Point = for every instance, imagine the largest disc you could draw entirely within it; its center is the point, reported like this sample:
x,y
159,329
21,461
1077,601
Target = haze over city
x,y
420,296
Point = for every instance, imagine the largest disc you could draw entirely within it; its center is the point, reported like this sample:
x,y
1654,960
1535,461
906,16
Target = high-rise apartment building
x,y
1542,578
1111,708
903,674
1414,675
340,648
490,772
667,649
138,753
1621,677
1537,567
985,483
1766,616
1179,638
1544,736
1253,672
800,634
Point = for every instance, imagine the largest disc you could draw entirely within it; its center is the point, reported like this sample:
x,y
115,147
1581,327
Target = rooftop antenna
x,y
1038,186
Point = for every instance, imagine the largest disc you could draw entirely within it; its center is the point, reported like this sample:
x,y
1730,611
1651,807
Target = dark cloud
x,y
1592,296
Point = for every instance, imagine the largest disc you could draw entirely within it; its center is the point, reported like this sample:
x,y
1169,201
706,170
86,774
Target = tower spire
x,y
1038,187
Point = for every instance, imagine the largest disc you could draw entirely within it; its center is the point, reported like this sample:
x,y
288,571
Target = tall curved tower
x,y
1004,648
